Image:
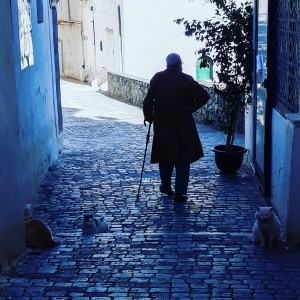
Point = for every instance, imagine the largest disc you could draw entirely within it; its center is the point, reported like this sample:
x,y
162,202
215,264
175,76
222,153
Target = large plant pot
x,y
229,162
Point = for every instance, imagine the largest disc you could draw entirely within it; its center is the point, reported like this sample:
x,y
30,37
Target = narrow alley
x,y
154,249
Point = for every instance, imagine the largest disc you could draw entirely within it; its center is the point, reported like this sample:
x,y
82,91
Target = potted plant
x,y
227,38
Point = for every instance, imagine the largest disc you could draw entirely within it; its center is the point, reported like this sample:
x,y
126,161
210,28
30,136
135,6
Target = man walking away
x,y
171,99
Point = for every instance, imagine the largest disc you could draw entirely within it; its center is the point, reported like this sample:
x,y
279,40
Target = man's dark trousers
x,y
181,178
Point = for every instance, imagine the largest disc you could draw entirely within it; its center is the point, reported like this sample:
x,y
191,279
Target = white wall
x,y
87,41
69,10
285,171
279,166
107,58
83,26
151,34
70,39
249,134
70,50
291,181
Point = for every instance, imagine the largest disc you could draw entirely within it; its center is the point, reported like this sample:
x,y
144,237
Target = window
x,y
25,33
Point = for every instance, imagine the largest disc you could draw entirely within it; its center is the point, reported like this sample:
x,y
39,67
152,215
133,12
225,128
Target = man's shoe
x,y
168,192
179,198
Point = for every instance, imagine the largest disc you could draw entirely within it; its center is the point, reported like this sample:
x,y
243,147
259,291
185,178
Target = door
x,y
262,118
61,57
110,50
204,73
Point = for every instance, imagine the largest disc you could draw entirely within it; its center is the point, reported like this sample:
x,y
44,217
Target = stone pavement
x,y
154,249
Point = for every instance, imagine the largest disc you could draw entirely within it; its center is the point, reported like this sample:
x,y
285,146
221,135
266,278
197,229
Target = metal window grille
x,y
287,56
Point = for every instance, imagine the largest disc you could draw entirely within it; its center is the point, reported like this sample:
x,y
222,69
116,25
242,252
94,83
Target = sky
x,y
150,34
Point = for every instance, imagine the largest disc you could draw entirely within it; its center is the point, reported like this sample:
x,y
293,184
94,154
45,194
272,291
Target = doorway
x,y
262,116
204,73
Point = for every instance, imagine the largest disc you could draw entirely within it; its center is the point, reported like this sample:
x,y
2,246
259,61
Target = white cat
x,y
92,225
266,229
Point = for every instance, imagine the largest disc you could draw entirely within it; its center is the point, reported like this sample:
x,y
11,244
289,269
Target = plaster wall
x,y
69,10
279,165
29,129
38,111
249,134
101,41
70,49
71,60
291,179
11,204
89,39
285,172
106,21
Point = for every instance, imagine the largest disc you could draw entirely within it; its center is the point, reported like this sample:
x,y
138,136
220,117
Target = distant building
x,y
30,112
90,38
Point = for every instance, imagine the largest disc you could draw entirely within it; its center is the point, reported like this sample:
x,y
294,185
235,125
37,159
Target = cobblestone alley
x,y
154,249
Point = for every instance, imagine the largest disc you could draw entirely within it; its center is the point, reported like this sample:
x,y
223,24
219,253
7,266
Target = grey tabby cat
x,y
92,225
266,229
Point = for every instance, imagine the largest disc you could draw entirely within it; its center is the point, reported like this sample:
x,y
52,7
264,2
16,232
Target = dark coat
x,y
171,99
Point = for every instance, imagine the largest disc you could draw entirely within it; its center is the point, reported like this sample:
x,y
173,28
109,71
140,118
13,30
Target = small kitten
x,y
92,225
38,234
266,229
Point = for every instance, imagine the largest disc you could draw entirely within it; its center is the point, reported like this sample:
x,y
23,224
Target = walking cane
x,y
147,142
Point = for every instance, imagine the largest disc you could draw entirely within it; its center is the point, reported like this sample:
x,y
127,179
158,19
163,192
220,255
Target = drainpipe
x,y
94,36
69,10
55,71
121,37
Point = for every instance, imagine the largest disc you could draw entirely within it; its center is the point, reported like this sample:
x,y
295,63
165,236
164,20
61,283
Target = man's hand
x,y
150,122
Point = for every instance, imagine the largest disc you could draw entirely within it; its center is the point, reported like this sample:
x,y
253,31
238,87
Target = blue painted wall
x,y
30,119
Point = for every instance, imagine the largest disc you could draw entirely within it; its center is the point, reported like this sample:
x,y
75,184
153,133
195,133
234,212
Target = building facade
x,y
273,132
90,39
30,112
150,34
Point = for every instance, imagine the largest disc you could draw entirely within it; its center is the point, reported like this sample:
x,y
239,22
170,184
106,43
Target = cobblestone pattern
x,y
154,249
133,90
